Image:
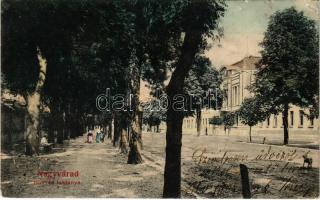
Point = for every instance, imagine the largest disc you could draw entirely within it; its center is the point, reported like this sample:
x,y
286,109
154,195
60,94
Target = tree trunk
x,y
285,124
110,129
135,142
123,141
149,128
66,129
75,123
198,119
83,126
58,122
71,126
116,130
158,128
134,156
128,133
51,128
250,134
104,132
75,126
33,103
172,172
140,113
59,126
172,175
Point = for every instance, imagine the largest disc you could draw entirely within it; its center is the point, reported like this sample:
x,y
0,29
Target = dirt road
x,y
103,172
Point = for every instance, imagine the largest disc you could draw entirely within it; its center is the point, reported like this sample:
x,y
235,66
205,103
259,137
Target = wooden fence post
x,y
246,193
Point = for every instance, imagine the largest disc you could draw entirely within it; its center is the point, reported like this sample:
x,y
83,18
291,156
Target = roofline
x,y
244,58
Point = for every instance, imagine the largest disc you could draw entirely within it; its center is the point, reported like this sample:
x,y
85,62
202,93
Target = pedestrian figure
x,y
103,135
89,137
98,137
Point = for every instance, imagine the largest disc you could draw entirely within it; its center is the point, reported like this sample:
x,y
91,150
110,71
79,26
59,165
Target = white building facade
x,y
237,78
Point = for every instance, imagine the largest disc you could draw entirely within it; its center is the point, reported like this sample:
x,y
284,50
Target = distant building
x,y
236,80
190,126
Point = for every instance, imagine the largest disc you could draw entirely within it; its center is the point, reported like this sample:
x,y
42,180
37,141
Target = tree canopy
x,y
289,57
288,71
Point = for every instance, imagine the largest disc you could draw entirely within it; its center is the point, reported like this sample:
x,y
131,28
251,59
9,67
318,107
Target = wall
x,y
12,126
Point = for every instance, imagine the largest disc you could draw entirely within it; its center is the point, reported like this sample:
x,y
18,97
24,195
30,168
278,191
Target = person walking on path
x,y
98,137
90,137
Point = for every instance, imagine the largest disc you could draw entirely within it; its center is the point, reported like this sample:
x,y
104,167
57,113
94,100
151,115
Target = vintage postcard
x,y
160,99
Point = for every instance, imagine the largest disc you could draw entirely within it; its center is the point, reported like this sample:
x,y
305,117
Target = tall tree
x,y
153,113
199,20
202,85
84,52
215,121
28,33
228,119
251,112
288,73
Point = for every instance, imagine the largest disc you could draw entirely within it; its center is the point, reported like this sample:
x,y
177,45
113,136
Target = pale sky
x,y
244,24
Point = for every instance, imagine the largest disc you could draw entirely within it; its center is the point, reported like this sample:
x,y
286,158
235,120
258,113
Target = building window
x,y
238,95
226,97
235,96
275,121
232,96
301,117
291,118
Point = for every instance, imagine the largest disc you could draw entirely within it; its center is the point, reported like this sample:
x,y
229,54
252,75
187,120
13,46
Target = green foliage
x,y
86,44
252,111
89,43
203,80
161,28
228,118
289,69
216,121
153,113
